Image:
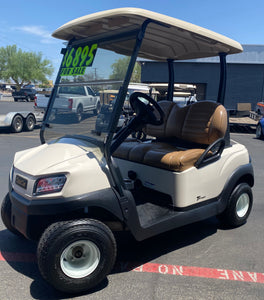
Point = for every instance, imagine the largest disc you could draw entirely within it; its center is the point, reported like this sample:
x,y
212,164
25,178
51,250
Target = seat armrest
x,y
211,154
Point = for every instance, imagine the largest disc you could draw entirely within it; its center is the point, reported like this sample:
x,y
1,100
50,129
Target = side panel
x,y
175,219
192,186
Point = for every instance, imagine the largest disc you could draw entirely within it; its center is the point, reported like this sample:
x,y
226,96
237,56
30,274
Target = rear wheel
x,y
75,256
17,124
259,133
79,113
239,206
97,110
30,123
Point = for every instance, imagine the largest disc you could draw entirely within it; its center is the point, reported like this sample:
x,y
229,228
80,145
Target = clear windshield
x,y
84,99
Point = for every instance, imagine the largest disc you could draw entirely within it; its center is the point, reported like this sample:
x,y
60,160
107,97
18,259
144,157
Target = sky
x,y
29,24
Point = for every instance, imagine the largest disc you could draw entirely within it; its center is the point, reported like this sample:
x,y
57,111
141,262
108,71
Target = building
x,y
245,76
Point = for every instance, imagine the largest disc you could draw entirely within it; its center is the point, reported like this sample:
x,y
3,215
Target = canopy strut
x,y
222,83
171,80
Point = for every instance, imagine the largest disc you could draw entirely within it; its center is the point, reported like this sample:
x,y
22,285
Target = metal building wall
x,y
244,81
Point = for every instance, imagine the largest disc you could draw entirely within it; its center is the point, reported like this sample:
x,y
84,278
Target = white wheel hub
x,y
80,259
242,205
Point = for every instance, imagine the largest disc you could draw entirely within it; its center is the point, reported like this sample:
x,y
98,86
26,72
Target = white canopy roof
x,y
176,40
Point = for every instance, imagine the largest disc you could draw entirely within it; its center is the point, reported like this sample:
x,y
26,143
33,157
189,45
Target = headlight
x,y
48,185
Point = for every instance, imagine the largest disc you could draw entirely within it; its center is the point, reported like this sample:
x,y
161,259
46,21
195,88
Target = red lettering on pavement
x,y
201,272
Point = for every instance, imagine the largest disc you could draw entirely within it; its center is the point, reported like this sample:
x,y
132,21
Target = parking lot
x,y
198,261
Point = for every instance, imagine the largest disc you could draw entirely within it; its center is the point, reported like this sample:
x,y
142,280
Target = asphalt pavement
x,y
198,261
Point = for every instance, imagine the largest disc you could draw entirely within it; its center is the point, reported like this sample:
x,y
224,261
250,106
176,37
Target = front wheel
x,y
239,206
17,124
75,256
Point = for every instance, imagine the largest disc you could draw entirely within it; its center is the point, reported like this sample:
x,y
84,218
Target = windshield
x,y
87,91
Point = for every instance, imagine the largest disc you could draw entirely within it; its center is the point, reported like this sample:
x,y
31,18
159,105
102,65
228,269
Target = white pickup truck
x,y
72,99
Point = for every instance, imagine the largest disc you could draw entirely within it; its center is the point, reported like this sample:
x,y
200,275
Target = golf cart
x,y
76,189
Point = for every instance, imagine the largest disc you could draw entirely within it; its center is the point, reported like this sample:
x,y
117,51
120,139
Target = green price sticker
x,y
76,60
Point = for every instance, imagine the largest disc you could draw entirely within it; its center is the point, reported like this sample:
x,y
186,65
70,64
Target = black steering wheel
x,y
145,107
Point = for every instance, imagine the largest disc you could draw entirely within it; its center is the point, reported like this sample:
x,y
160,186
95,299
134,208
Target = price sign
x,y
76,60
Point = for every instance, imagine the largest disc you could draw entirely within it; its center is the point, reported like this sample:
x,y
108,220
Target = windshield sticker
x,y
76,60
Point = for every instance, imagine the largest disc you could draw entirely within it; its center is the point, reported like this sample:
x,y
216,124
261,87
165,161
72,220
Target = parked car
x,y
27,94
260,129
260,108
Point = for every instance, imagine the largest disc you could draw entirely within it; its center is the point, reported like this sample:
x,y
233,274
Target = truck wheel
x,y
30,123
97,110
238,207
259,134
75,256
6,209
17,124
79,113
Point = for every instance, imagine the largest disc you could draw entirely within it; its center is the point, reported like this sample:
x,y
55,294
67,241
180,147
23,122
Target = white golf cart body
x,y
79,173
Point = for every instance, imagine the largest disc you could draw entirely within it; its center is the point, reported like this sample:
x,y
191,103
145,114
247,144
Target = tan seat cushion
x,y
200,123
159,155
177,161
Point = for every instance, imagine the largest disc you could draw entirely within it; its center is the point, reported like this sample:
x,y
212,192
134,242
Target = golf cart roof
x,y
174,40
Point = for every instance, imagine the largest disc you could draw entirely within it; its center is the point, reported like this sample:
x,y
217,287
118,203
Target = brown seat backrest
x,y
202,122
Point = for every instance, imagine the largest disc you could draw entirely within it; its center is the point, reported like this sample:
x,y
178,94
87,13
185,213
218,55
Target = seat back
x,y
202,122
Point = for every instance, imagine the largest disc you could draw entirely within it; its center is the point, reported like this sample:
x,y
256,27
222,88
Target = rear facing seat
x,y
181,139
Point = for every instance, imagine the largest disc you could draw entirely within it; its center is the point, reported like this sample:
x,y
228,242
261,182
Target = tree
x,y
23,68
119,70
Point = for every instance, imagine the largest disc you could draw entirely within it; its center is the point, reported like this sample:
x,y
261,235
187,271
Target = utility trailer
x,y
18,121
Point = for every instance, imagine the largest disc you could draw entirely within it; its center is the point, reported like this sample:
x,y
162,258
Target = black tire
x,y
238,207
6,210
259,133
79,113
30,123
17,124
97,110
75,256
15,99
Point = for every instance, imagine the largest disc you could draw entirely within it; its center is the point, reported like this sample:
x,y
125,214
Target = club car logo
x,y
22,182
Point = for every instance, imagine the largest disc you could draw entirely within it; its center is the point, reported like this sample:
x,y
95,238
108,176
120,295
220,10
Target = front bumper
x,y
31,218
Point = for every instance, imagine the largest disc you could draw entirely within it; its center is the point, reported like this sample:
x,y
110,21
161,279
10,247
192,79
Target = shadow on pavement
x,y
131,254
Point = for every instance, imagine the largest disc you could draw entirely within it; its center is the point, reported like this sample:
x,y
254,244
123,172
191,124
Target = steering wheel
x,y
145,107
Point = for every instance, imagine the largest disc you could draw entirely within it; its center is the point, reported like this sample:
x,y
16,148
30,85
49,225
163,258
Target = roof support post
x,y
110,146
221,93
171,80
222,83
